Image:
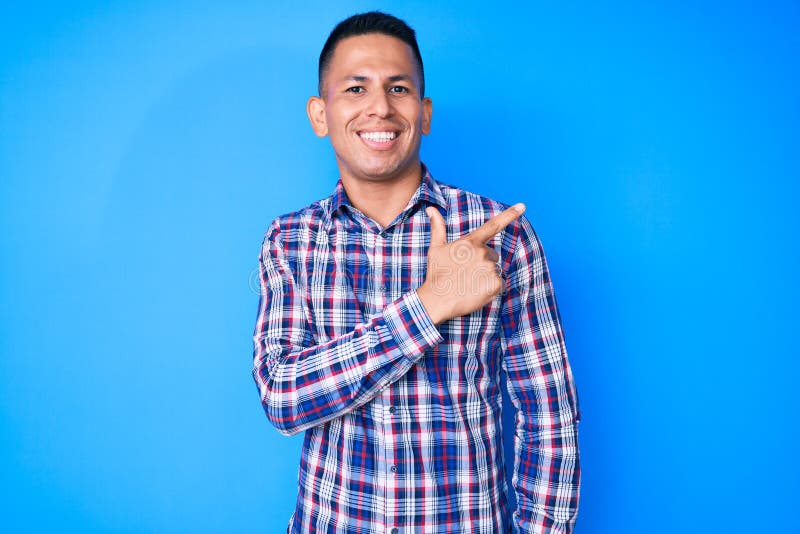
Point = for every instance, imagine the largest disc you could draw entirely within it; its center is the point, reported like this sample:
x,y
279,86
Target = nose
x,y
379,104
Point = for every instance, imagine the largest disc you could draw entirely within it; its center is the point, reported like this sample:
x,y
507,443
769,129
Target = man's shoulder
x,y
308,217
470,210
467,200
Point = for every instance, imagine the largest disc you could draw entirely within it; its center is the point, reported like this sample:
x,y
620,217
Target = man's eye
x,y
355,89
398,89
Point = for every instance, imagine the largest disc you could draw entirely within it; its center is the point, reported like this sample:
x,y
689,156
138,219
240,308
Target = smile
x,y
378,137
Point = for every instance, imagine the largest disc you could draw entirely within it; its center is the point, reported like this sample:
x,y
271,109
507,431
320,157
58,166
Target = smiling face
x,y
372,109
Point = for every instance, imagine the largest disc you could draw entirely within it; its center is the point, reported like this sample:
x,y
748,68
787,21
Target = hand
x,y
462,275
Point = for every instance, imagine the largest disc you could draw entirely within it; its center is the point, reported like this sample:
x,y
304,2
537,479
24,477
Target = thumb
x,y
438,229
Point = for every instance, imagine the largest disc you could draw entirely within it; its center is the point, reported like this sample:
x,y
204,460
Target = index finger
x,y
494,225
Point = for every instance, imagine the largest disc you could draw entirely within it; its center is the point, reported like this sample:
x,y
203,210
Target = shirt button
x,y
382,233
395,531
392,409
382,289
394,469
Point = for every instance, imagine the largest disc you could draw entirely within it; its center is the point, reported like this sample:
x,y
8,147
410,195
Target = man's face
x,y
372,109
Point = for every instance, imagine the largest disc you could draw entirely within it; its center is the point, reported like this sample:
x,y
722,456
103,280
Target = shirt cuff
x,y
411,326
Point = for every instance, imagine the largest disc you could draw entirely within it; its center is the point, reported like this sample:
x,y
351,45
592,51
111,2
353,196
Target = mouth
x,y
378,139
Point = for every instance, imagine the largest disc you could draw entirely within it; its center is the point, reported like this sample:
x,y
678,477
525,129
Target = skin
x,y
372,85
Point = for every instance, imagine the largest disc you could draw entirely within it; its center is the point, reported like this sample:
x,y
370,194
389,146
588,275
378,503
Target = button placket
x,y
387,456
380,268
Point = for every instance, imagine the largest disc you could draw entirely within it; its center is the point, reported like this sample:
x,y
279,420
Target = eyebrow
x,y
395,78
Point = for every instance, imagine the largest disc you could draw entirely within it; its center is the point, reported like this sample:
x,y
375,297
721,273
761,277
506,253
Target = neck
x,y
382,200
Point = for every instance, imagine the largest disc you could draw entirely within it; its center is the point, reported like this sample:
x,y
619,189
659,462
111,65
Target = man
x,y
387,311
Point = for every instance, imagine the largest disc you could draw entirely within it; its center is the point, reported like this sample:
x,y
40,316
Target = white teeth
x,y
380,137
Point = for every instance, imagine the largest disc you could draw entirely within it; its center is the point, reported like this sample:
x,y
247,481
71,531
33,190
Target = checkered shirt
x,y
402,418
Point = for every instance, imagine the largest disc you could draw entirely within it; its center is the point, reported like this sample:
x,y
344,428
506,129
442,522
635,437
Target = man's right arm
x,y
302,384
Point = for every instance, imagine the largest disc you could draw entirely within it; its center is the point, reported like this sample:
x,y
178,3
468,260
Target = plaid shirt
x,y
402,419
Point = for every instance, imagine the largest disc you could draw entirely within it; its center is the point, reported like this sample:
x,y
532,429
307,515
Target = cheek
x,y
341,116
414,115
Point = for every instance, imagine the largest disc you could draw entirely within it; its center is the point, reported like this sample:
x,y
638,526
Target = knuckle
x,y
498,286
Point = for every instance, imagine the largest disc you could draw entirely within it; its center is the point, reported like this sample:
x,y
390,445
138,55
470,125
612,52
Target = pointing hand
x,y
462,275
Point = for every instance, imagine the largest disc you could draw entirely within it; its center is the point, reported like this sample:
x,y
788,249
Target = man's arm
x,y
546,465
301,384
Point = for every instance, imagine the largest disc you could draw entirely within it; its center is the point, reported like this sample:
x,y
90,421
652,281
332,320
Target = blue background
x,y
145,147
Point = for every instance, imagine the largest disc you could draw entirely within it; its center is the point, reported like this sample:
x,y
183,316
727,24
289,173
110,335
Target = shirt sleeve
x,y
546,465
303,384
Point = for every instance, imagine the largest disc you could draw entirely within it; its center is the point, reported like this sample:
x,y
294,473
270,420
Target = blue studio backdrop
x,y
146,146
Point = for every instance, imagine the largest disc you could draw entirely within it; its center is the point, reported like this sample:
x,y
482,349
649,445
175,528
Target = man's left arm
x,y
546,464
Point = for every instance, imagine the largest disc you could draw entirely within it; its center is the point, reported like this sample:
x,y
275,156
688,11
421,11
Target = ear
x,y
315,108
427,111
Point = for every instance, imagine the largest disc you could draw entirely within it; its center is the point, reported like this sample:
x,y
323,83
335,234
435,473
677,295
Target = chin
x,y
377,176
380,172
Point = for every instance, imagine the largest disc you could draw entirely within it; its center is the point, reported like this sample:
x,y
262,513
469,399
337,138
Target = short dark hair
x,y
366,23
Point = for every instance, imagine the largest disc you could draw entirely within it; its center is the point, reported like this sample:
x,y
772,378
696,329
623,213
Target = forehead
x,y
373,51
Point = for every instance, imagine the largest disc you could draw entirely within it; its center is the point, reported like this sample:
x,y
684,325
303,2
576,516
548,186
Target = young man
x,y
387,311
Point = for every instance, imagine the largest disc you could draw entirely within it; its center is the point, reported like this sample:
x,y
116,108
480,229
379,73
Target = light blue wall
x,y
145,147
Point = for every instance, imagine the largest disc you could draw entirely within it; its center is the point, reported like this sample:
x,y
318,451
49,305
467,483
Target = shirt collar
x,y
428,191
